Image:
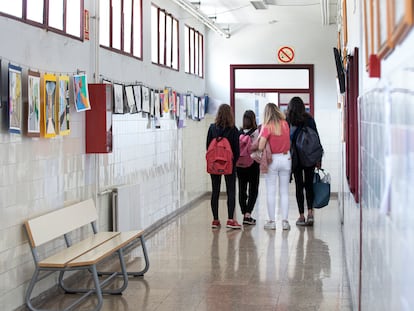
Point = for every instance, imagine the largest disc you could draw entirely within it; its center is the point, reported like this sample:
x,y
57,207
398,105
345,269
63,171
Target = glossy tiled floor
x,y
194,267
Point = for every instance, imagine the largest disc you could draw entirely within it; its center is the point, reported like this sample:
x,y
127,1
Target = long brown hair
x,y
224,117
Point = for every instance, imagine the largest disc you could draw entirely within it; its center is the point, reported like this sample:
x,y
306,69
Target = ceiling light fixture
x,y
190,8
259,5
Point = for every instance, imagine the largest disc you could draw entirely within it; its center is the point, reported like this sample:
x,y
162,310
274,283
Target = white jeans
x,y
278,175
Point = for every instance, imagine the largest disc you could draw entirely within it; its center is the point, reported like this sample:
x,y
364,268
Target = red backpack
x,y
219,157
245,141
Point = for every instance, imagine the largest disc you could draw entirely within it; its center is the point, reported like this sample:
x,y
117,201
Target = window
x,y
62,16
194,43
164,38
120,26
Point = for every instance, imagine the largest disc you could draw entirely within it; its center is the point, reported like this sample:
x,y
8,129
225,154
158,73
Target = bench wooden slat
x,y
105,249
47,227
60,259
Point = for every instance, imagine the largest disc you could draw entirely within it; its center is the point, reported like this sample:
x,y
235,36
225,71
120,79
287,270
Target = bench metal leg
x,y
97,290
30,289
104,282
135,273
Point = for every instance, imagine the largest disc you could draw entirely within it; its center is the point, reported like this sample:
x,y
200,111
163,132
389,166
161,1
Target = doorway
x,y
253,86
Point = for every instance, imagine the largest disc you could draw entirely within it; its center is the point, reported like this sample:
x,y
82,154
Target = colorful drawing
x,y
80,89
50,126
15,99
62,113
33,115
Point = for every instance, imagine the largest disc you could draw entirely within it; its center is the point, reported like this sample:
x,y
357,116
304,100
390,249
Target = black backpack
x,y
308,146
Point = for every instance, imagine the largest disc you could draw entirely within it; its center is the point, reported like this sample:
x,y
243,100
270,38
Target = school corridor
x,y
194,267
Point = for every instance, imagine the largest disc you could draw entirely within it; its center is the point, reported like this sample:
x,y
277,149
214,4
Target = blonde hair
x,y
272,117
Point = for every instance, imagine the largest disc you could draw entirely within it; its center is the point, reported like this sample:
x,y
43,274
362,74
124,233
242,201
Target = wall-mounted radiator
x,y
126,211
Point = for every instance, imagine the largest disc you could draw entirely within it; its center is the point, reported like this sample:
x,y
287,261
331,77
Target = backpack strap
x,y
250,132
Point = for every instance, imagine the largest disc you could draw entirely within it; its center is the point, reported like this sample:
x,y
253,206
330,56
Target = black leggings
x,y
248,187
231,194
304,181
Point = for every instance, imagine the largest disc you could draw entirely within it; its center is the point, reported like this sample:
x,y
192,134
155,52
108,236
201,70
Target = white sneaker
x,y
270,224
285,225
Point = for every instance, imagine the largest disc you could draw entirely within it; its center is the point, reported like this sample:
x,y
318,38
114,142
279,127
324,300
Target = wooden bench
x,y
83,255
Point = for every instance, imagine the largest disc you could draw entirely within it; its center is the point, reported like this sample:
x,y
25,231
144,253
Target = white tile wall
x,y
39,175
387,244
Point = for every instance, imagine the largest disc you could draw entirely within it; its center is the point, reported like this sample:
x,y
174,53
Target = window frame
x,y
194,55
121,49
45,23
163,59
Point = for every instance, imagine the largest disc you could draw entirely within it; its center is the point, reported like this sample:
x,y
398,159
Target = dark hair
x,y
249,120
224,117
296,113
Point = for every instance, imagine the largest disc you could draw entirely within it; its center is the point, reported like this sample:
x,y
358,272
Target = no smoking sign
x,y
285,55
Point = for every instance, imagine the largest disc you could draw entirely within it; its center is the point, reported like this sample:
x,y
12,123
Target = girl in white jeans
x,y
275,132
277,182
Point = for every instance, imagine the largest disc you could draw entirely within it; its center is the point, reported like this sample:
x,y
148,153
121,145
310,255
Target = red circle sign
x,y
285,54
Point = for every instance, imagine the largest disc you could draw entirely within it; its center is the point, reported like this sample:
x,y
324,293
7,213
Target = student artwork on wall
x,y
174,103
182,110
157,108
33,111
195,107
188,105
49,124
129,94
118,98
145,99
62,113
80,89
137,97
202,107
165,103
15,99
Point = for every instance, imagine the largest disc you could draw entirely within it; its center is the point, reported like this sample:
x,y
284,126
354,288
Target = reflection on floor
x,y
194,267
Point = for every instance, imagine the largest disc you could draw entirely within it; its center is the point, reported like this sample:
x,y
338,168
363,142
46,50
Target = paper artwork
x,y
15,99
81,96
33,111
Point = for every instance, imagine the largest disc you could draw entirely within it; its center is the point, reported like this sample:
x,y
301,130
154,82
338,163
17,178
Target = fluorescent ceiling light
x,y
259,5
190,8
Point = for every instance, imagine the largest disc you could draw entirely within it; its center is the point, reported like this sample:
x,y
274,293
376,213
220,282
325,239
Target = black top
x,y
232,134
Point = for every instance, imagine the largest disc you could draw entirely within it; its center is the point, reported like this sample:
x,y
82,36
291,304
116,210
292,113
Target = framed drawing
x,y
129,94
402,18
49,124
383,28
118,98
137,97
15,99
145,99
33,111
62,111
80,89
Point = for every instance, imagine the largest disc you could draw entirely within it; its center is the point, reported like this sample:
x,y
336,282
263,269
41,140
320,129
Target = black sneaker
x,y
249,221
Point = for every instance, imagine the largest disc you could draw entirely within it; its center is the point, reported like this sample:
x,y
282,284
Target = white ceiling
x,y
236,13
